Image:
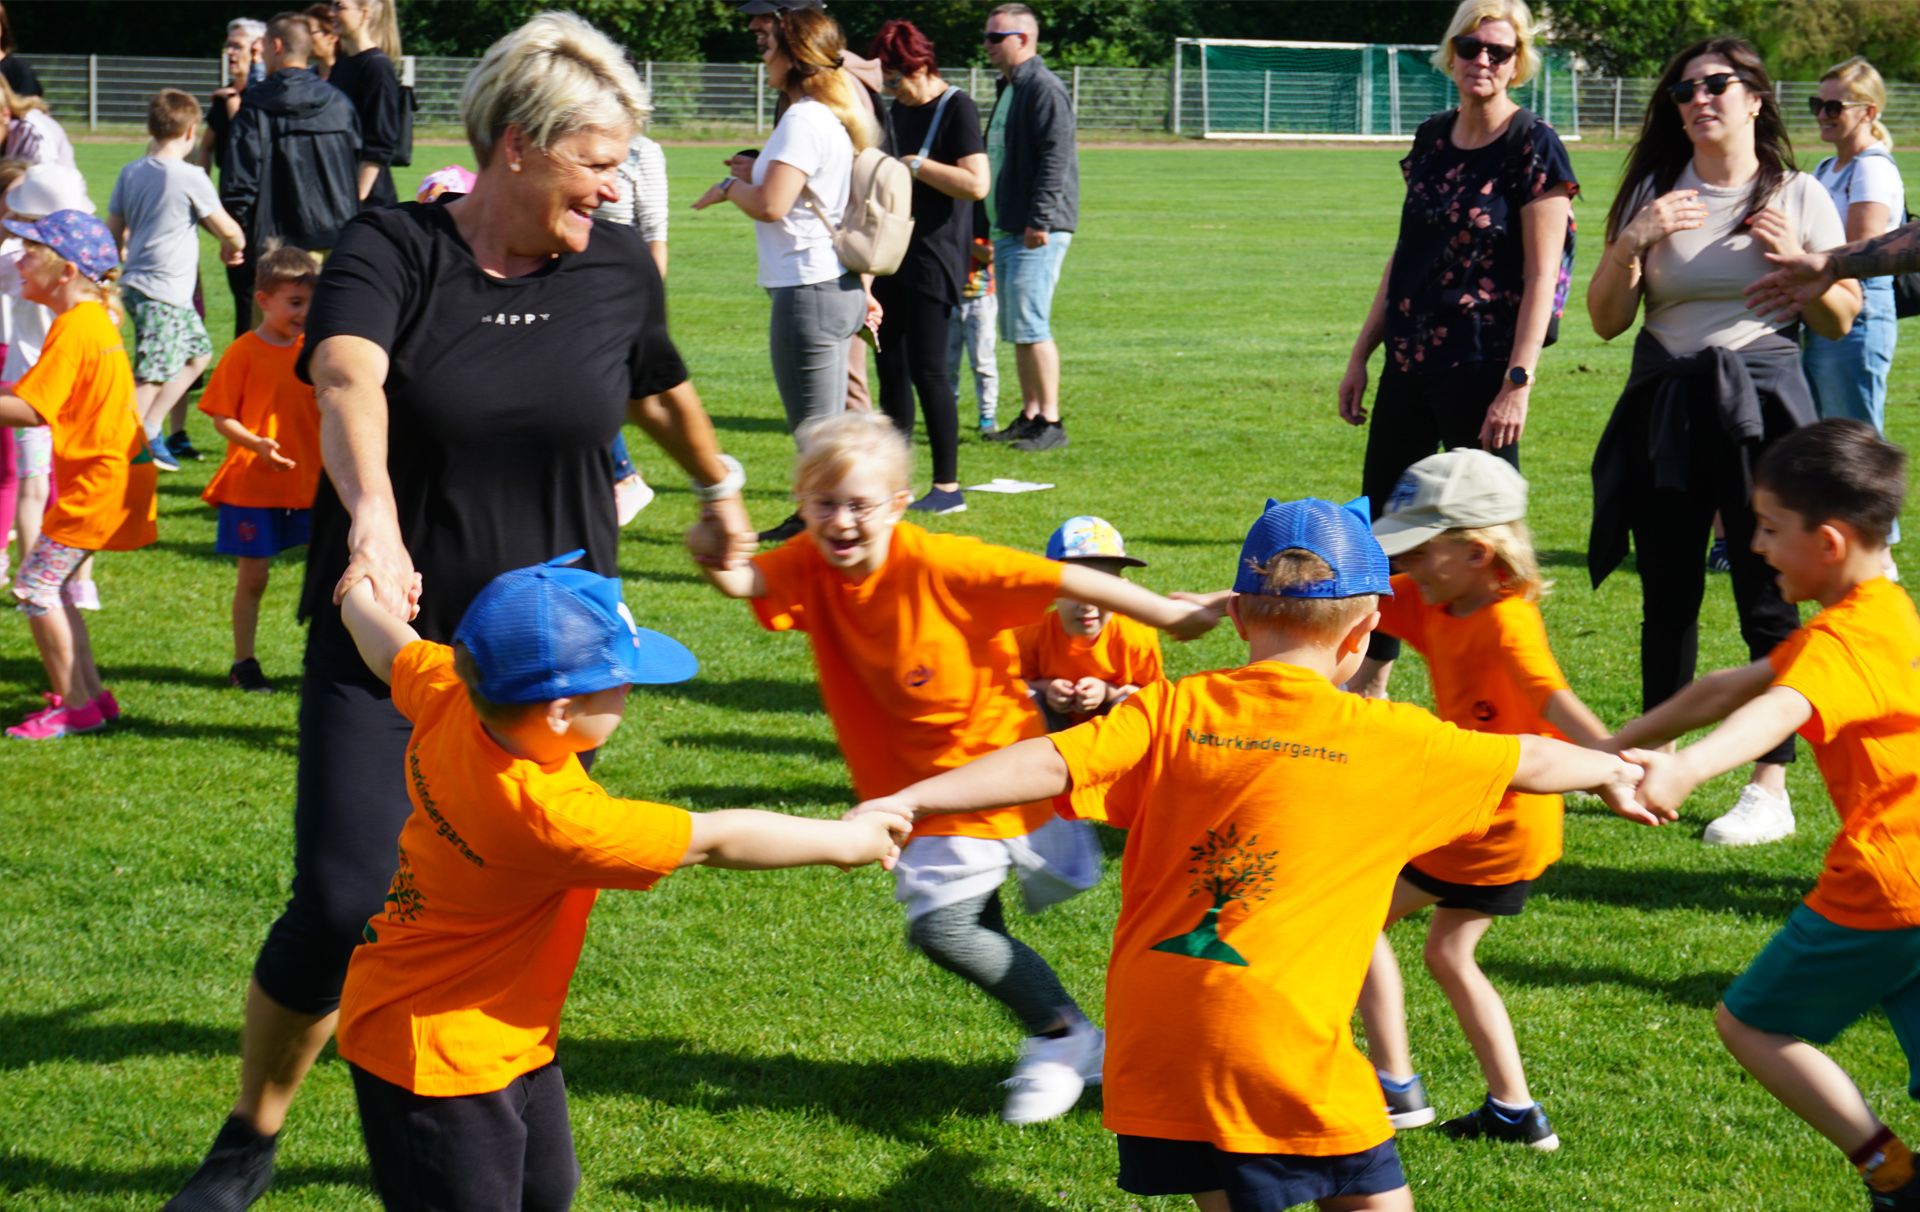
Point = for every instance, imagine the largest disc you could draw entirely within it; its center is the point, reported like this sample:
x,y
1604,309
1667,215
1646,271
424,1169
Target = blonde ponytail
x,y
814,46
1864,83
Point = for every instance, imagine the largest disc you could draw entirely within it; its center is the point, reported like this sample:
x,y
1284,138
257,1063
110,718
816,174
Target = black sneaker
x,y
1532,1128
1023,426
238,1170
939,501
182,446
1717,558
1046,435
247,676
1407,1108
784,531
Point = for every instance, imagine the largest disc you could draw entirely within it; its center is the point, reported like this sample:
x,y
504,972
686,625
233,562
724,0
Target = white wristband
x,y
730,484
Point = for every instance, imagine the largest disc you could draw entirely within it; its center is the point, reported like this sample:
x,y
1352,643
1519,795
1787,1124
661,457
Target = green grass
x,y
763,1041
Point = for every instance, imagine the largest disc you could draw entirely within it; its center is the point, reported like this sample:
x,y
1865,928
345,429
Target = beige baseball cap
x,y
1459,490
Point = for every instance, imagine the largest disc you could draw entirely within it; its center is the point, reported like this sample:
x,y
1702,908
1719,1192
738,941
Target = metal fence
x,y
91,92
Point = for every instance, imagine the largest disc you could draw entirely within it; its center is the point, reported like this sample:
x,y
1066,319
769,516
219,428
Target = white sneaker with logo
x,y
1052,1073
1758,816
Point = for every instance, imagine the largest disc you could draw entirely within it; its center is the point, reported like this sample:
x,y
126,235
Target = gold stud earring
x,y
514,165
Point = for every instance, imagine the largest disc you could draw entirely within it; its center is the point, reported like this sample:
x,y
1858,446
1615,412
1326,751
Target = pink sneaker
x,y
85,595
54,724
107,705
53,702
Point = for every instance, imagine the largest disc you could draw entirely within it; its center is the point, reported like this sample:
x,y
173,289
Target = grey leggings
x,y
970,940
807,339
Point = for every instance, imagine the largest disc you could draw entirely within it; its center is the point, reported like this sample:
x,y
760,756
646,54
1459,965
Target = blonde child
x,y
911,634
1268,813
82,390
264,488
452,1006
1081,660
1467,600
1848,681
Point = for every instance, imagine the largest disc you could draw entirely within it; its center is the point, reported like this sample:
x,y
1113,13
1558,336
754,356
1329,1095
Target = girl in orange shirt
x,y
82,390
1467,601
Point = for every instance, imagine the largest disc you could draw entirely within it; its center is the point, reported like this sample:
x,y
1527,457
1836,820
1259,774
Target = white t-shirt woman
x,y
797,249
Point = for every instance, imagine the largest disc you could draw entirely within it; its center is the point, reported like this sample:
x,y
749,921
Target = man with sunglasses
x,y
1032,210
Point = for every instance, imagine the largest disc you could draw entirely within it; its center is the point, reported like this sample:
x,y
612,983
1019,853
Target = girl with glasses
x,y
1708,191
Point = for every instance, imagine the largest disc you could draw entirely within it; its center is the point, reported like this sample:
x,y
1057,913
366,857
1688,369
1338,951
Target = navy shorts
x,y
1254,1182
1495,900
246,530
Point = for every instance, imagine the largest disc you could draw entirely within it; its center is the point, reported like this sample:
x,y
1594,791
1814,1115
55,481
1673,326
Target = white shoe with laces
x,y
1052,1072
1758,816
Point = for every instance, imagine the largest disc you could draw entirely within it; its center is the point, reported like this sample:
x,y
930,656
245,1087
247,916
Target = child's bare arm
x,y
747,839
233,241
1565,711
1750,731
16,411
1550,767
744,582
1022,773
376,633
268,449
1708,701
1184,618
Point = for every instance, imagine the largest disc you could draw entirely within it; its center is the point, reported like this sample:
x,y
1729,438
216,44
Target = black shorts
x,y
1254,1182
1495,900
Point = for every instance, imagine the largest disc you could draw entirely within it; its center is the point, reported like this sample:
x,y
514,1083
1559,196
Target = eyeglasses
x,y
997,36
1468,47
1830,109
1682,91
824,510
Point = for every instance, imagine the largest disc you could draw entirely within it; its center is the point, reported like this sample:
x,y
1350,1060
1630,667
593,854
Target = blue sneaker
x,y
163,458
1407,1106
1486,1120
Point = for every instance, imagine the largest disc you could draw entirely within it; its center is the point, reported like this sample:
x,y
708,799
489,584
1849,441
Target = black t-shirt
x,y
372,85
502,398
21,78
936,260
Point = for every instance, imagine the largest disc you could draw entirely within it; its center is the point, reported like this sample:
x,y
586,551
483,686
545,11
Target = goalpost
x,y
1230,88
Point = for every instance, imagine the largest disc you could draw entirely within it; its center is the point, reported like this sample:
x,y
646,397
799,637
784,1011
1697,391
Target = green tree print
x,y
1225,869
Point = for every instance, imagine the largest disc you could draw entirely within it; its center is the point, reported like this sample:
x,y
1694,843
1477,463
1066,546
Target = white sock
x,y
1510,1110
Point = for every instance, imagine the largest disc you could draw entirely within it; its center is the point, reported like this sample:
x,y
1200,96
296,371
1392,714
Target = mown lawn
x,y
764,1041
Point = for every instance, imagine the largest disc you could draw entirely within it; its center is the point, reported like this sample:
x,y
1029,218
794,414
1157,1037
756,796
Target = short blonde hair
x,y
1319,620
1514,561
833,446
553,76
1472,14
1864,83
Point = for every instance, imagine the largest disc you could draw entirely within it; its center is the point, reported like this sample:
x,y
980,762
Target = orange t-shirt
x,y
917,665
255,385
1858,663
1269,813
82,386
1492,672
459,987
1125,653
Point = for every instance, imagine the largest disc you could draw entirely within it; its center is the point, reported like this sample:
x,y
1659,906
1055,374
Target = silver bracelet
x,y
729,485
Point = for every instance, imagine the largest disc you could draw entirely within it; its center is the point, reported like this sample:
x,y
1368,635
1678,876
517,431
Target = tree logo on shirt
x,y
404,901
1484,711
919,676
1225,869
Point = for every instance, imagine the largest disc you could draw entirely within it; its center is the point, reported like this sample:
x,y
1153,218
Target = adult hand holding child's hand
x,y
376,554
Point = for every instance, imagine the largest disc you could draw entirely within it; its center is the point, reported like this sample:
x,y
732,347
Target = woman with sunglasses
x,y
1466,303
1709,189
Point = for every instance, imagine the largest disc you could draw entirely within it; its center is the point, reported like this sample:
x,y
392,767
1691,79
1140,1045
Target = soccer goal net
x,y
1233,89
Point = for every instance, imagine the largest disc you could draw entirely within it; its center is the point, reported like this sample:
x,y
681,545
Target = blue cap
x,y
1090,538
1338,534
551,632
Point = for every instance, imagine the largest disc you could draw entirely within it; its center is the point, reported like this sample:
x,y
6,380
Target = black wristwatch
x,y
1519,376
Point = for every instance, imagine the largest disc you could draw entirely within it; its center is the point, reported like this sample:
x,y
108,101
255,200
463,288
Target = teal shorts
x,y
1815,979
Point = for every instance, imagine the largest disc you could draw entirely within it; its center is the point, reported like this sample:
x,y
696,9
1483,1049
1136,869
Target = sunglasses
x,y
997,36
1468,47
1830,109
1682,91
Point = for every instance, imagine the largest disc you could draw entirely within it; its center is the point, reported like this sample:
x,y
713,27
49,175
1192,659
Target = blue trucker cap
x,y
550,632
1339,534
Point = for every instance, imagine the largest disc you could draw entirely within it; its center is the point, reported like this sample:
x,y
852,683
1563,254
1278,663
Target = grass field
x,y
763,1041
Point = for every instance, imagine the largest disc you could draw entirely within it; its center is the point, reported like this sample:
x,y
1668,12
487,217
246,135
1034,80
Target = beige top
x,y
1696,280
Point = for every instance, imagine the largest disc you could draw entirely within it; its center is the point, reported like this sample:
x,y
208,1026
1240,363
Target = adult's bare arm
x,y
679,425
969,178
349,384
1806,277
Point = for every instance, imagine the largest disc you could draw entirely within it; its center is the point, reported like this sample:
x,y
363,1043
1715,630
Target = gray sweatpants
x,y
807,340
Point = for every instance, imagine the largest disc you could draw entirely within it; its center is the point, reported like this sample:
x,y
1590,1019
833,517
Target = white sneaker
x,y
630,496
1052,1073
1758,816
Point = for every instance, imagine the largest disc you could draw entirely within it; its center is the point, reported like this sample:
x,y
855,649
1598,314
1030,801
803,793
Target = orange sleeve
x,y
596,841
1027,639
784,571
1462,780
1000,588
50,382
1525,655
1816,664
422,671
1106,758
222,395
1144,665
1400,614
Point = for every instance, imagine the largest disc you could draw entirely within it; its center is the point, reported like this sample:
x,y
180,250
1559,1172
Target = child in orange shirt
x,y
452,1006
911,634
82,390
1826,497
264,488
1466,599
1082,660
1268,814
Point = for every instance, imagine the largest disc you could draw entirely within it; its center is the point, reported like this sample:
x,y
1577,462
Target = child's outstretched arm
x,y
1565,711
268,449
743,582
1022,773
1184,618
747,839
376,633
1706,701
1750,731
1550,767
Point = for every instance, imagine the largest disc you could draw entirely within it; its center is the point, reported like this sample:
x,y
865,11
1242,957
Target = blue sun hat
x,y
1338,534
76,236
550,632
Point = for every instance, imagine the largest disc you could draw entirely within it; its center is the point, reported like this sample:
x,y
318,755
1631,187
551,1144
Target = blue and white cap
x,y
550,632
1090,538
1338,534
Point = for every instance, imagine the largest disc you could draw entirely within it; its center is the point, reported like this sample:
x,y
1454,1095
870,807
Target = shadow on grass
x,y
747,742
766,424
165,675
1744,892
663,578
284,738
23,1172
63,1035
1696,990
1563,559
941,1181
704,796
1166,541
744,694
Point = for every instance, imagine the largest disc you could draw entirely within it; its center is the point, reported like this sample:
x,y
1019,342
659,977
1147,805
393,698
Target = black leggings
x,y
913,357
1415,415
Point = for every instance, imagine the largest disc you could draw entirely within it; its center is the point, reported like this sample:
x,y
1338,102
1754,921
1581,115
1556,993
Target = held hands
x,y
1506,417
1801,278
1618,792
1666,783
723,537
880,834
381,559
1680,210
269,451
